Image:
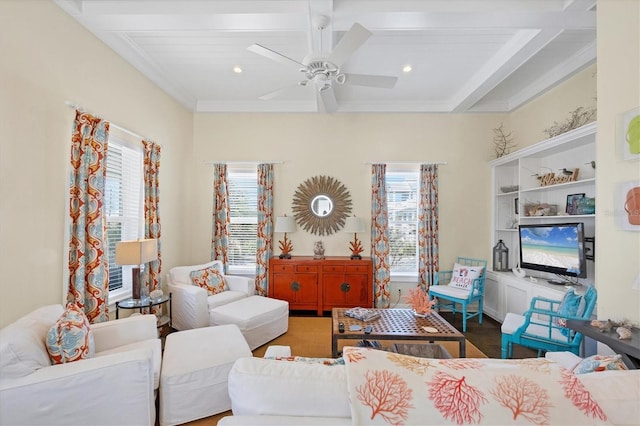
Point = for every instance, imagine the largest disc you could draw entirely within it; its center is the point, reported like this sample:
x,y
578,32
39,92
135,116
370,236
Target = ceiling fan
x,y
323,72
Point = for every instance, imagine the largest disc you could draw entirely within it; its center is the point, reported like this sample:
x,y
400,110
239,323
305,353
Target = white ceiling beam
x,y
509,58
555,76
403,21
191,7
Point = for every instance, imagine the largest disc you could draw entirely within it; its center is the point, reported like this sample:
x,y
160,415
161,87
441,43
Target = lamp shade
x,y
353,225
136,252
285,224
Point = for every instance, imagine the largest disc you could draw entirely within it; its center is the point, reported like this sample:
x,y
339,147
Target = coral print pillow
x,y
463,276
393,389
210,279
70,338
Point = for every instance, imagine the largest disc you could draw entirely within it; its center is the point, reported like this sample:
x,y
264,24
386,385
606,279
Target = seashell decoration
x,y
623,333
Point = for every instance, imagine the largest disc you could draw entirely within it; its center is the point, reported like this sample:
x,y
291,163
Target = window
x,y
243,230
123,208
402,205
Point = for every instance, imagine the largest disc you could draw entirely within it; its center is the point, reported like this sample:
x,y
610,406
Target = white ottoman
x,y
261,319
195,371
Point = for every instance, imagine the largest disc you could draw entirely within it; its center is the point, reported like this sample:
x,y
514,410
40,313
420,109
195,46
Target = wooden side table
x,y
629,348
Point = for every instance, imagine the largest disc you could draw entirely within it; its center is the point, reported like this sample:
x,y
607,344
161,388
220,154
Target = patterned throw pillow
x,y
568,307
324,361
210,279
599,363
70,338
463,276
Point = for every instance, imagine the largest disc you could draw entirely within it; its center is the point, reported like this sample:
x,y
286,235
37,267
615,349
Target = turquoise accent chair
x,y
450,296
539,328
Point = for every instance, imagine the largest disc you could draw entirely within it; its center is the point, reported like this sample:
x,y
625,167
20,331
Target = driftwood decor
x,y
321,205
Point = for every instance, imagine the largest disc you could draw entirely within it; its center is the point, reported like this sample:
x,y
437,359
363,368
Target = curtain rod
x,y
242,162
122,129
444,163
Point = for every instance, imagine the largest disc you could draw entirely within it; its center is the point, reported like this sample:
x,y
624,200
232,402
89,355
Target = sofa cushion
x,y
181,274
153,345
401,389
70,338
22,343
224,298
210,279
268,387
462,276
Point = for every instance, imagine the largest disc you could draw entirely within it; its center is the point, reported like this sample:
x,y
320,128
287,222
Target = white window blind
x,y
243,231
402,205
123,207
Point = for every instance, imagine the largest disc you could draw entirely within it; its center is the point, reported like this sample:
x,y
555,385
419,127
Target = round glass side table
x,y
146,303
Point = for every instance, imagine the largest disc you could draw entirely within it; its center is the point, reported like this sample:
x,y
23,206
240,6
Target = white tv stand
x,y
504,292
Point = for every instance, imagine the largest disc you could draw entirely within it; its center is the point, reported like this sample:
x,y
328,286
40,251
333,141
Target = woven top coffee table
x,y
395,324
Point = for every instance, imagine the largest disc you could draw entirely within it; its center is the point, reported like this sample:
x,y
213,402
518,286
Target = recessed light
x,y
407,68
237,69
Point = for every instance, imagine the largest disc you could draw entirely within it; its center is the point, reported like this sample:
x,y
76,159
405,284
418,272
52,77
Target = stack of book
x,y
362,314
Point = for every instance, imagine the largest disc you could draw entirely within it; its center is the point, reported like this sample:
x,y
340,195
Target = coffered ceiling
x,y
465,55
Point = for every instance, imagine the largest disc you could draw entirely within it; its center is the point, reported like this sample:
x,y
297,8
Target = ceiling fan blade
x,y
348,44
383,81
273,55
326,100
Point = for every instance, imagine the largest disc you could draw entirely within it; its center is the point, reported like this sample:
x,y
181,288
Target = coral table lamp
x,y
285,224
136,252
355,225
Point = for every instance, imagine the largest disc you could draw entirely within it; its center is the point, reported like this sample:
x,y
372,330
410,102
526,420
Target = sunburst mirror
x,y
321,205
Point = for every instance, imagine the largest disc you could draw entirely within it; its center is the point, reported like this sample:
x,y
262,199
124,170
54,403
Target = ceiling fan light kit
x,y
323,71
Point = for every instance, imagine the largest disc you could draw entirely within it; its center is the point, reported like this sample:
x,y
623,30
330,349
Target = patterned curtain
x,y
265,227
88,263
152,209
380,236
220,238
428,243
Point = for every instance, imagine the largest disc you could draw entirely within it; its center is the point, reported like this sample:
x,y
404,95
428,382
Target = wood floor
x,y
486,336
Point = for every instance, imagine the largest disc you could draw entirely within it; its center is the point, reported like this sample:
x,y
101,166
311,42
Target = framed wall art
x,y
628,134
627,205
573,203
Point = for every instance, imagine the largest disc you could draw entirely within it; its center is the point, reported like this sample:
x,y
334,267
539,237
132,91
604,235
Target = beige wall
x,y
618,251
340,145
48,58
529,121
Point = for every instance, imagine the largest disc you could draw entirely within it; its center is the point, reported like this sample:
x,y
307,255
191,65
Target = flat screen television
x,y
557,248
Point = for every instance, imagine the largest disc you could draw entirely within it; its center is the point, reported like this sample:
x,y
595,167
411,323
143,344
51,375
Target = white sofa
x,y
114,387
276,392
191,306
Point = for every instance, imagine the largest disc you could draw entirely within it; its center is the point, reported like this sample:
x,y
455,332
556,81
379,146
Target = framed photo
x,y
628,134
573,203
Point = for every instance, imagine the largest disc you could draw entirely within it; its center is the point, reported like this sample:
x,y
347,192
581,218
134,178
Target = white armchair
x,y
114,387
191,305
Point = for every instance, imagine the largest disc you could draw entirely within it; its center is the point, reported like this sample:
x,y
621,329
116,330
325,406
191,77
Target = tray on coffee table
x,y
395,324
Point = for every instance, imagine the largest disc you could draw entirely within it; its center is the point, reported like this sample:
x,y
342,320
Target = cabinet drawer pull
x,y
295,286
345,287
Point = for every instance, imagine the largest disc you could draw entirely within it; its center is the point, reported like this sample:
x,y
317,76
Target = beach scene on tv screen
x,y
551,246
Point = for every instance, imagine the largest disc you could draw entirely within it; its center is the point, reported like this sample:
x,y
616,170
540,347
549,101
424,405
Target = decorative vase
x,y
416,314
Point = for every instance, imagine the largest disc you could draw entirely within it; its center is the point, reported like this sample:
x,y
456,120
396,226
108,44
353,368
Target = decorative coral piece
x,y
286,246
419,301
356,247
